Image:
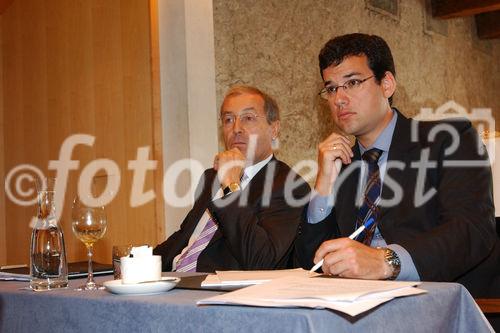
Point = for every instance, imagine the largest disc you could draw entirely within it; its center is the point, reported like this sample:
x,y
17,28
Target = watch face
x,y
234,187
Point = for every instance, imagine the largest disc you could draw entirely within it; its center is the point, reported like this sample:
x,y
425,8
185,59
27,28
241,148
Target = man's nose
x,y
237,126
340,98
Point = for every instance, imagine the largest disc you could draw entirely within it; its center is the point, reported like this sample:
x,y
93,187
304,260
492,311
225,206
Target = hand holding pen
x,y
355,234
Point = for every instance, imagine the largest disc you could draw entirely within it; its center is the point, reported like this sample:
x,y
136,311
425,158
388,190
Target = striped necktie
x,y
187,262
189,259
370,208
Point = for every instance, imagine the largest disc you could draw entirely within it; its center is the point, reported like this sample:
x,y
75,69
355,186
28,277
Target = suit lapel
x,y
200,204
262,182
401,153
346,209
254,190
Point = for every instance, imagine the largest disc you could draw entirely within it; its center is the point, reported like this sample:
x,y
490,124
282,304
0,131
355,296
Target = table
x,y
447,307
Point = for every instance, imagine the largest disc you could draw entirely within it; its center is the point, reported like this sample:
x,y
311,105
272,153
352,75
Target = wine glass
x,y
89,225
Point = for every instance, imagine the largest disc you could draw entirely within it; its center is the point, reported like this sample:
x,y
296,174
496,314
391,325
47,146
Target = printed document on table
x,y
5,276
346,295
248,278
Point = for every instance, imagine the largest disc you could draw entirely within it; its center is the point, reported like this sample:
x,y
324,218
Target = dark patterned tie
x,y
369,207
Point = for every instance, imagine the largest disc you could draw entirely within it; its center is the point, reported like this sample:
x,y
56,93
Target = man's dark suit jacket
x,y
258,235
450,237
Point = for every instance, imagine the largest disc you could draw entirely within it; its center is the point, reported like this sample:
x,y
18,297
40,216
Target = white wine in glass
x,y
89,225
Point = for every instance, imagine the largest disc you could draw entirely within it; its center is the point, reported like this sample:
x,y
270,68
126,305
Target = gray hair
x,y
270,105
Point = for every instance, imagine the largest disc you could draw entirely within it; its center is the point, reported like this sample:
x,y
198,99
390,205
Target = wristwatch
x,y
392,259
233,187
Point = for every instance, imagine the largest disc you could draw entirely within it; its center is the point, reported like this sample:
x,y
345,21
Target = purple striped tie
x,y
187,262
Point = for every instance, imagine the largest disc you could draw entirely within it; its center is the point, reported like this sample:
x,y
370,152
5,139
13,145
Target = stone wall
x,y
274,45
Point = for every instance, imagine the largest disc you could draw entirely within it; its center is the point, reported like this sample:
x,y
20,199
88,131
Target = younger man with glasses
x,y
432,209
244,216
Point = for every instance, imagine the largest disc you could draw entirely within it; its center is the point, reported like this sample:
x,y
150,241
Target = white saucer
x,y
146,288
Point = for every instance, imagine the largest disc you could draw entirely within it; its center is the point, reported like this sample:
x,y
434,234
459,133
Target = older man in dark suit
x,y
248,206
426,185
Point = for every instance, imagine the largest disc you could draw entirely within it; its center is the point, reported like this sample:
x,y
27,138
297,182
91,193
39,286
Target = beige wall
x,y
81,67
275,44
188,95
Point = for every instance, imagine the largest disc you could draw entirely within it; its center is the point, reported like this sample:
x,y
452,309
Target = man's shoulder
x,y
459,124
284,169
208,174
285,174
424,127
280,164
443,130
206,180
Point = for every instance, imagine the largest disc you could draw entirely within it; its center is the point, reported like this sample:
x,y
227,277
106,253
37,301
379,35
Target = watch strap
x,y
392,259
233,187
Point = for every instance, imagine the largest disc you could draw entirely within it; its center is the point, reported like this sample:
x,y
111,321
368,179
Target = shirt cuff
x,y
408,270
319,207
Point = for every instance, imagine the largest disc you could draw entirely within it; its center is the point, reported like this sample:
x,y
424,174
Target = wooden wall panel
x,y
157,150
136,102
3,235
17,218
80,67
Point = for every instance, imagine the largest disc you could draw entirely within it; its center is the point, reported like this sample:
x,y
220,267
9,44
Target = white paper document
x,y
346,295
5,276
248,278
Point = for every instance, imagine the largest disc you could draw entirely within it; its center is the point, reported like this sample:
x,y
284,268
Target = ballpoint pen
x,y
355,234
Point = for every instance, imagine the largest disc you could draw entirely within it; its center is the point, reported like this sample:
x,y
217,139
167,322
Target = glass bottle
x,y
48,266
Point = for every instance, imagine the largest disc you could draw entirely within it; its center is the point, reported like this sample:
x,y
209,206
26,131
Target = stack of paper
x,y
6,276
248,278
346,295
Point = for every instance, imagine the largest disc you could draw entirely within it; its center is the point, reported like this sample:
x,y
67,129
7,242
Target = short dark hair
x,y
373,47
270,105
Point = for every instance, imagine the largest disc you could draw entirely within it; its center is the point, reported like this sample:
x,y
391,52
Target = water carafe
x,y
48,266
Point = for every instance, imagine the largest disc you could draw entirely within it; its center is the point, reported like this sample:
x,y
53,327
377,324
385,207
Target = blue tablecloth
x,y
447,307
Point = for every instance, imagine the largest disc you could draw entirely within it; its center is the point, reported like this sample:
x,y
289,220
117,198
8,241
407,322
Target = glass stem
x,y
90,278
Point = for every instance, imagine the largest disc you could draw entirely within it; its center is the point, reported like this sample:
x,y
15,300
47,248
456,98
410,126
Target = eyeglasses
x,y
349,87
247,119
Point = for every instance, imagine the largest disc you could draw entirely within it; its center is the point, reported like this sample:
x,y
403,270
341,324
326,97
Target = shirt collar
x,y
252,170
383,142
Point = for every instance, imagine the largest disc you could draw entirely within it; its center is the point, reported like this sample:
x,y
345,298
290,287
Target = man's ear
x,y
388,84
275,126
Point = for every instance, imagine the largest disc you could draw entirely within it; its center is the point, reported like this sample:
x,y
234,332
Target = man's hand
x,y
336,146
229,165
348,258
